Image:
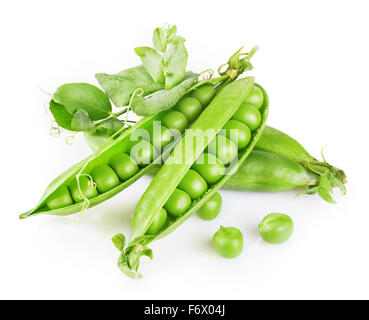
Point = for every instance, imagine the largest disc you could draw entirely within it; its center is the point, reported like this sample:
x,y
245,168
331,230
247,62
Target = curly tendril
x,y
207,74
55,129
70,139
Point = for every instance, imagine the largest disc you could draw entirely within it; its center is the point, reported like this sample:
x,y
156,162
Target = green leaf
x,y
325,189
175,61
159,40
119,241
102,133
160,100
61,116
81,121
171,32
119,87
153,63
74,96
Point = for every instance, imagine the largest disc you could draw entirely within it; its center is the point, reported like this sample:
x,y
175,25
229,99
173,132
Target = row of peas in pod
x,y
124,165
221,151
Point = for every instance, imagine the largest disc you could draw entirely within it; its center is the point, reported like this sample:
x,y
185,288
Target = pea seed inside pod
x,y
87,188
178,203
124,166
211,208
193,184
249,115
160,136
175,120
104,177
190,107
256,97
237,132
204,94
209,167
223,148
143,152
60,198
158,223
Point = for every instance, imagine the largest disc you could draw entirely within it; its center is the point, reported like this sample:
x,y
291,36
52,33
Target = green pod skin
x,y
117,144
270,172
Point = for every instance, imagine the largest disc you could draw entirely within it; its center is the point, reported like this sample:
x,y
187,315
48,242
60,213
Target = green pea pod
x,y
278,142
161,100
215,116
111,147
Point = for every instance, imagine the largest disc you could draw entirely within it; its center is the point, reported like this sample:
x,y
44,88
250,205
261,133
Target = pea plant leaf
x,y
161,100
159,40
92,100
61,116
175,61
81,121
325,189
119,87
153,63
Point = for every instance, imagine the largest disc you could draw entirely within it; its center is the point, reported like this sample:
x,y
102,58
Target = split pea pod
x,y
164,187
124,158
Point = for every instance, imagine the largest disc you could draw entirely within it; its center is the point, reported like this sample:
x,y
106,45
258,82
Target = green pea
x,y
123,165
161,139
175,120
158,222
237,132
190,107
143,153
193,184
178,203
228,242
104,177
249,115
256,97
60,198
210,168
223,148
204,94
87,187
276,228
211,209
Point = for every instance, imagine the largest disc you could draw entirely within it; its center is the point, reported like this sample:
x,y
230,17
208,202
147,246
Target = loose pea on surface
x,y
249,115
210,168
175,120
143,153
193,184
87,187
223,148
190,107
204,94
178,203
59,199
276,228
237,132
228,242
161,139
211,209
158,222
256,97
104,177
123,165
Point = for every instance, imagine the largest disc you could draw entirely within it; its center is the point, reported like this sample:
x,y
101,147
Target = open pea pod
x,y
59,198
181,160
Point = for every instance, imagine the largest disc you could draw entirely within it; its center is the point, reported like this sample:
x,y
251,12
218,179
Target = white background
x,y
313,62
